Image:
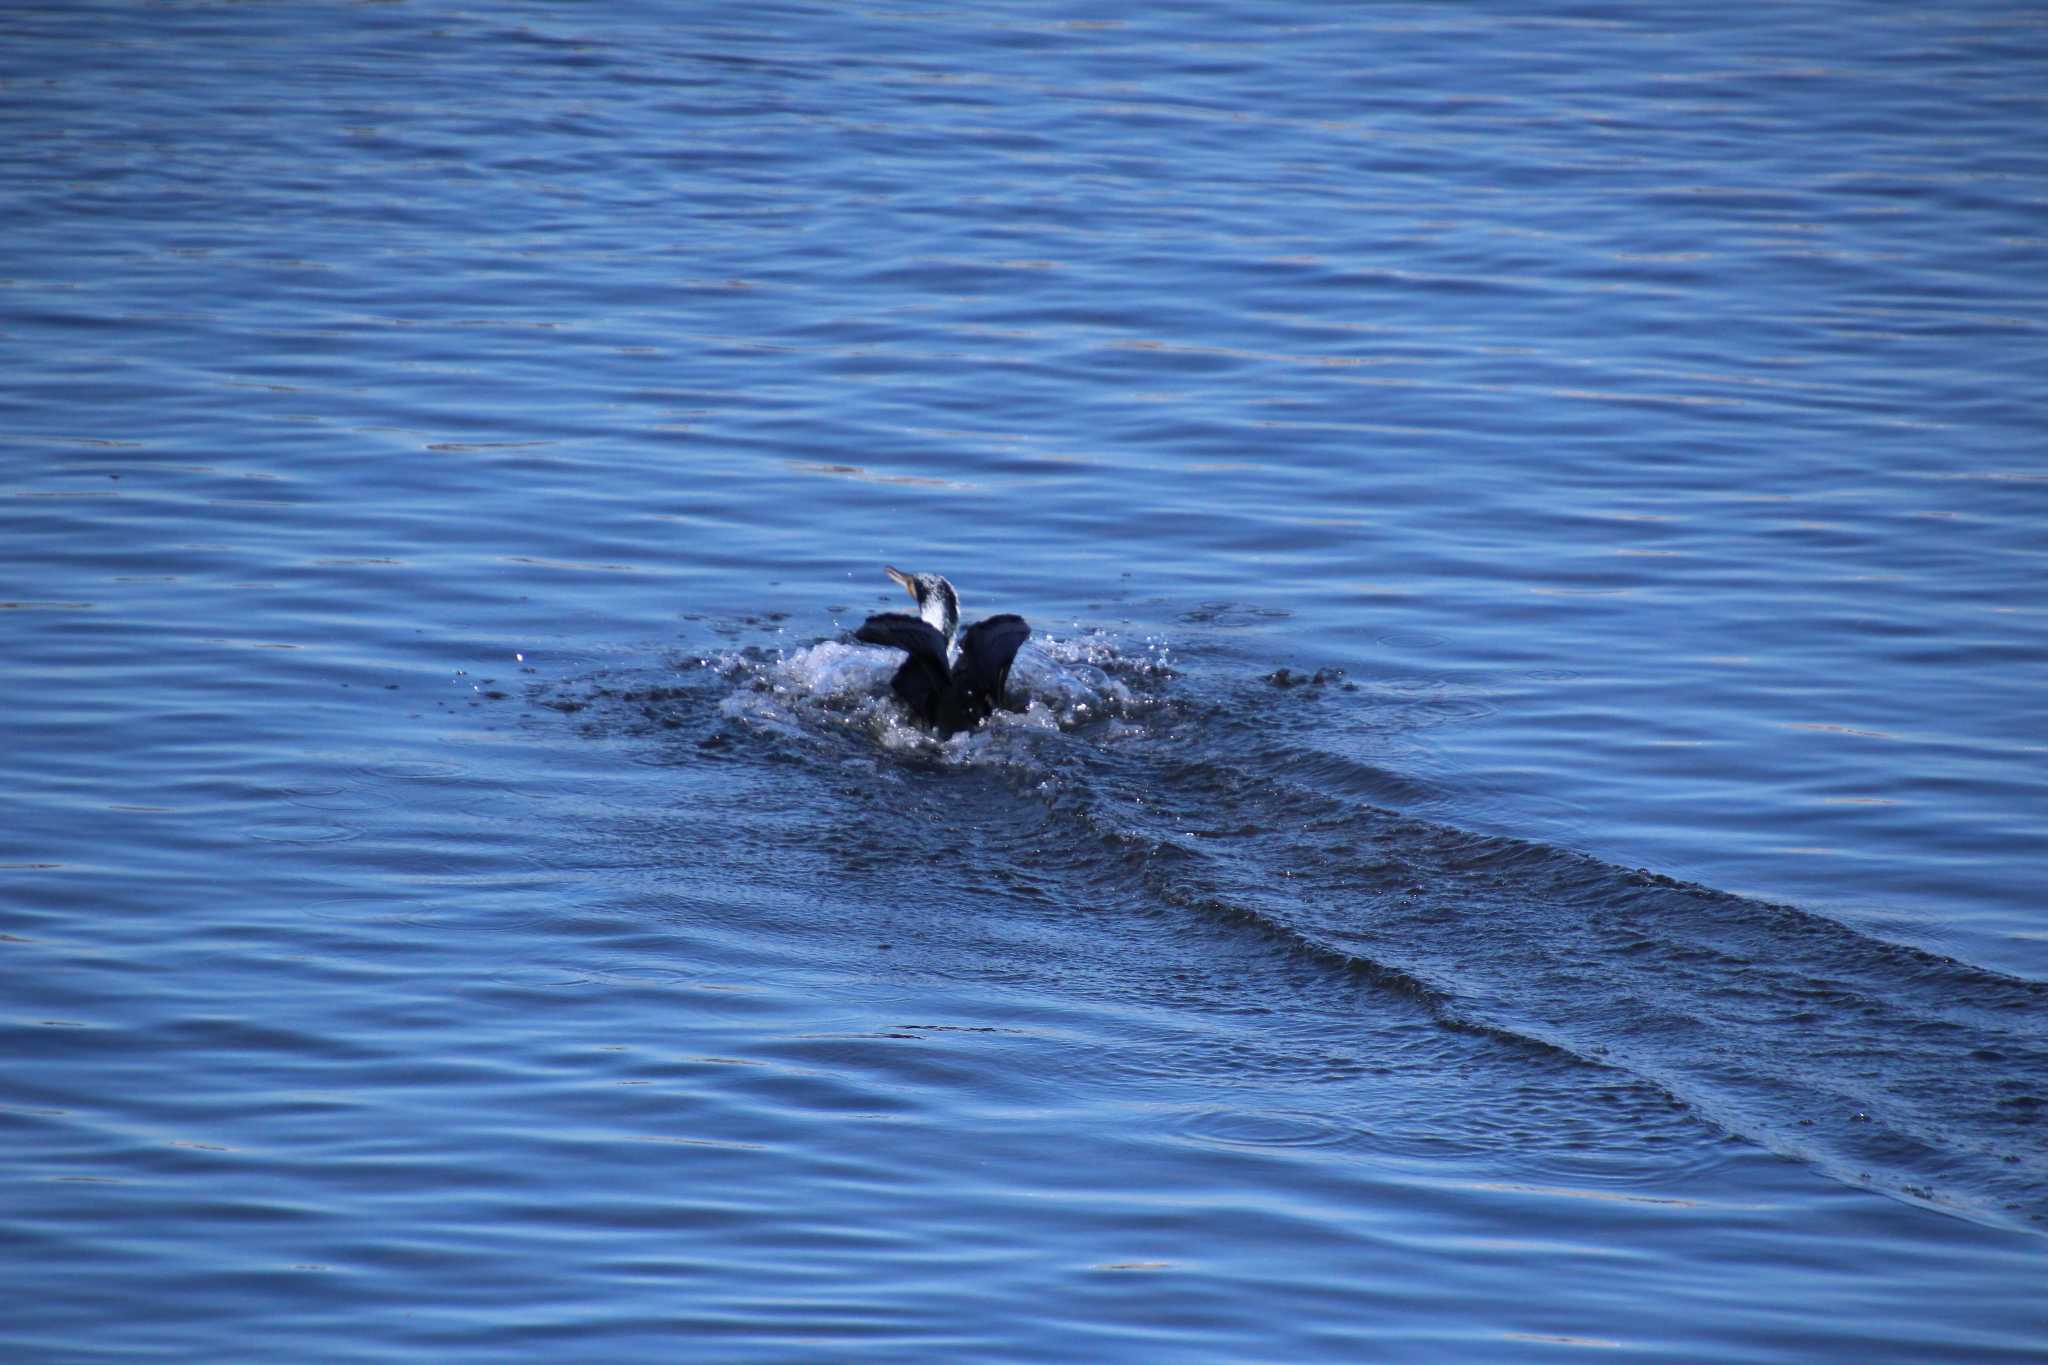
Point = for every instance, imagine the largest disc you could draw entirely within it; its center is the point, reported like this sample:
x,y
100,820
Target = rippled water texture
x,y
1519,826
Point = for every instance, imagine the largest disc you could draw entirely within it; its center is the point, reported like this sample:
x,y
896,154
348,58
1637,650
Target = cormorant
x,y
948,695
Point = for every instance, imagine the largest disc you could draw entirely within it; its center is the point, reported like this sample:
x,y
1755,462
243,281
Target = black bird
x,y
950,696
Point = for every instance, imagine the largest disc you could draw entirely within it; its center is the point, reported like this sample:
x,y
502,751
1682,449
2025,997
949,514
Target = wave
x,y
1175,783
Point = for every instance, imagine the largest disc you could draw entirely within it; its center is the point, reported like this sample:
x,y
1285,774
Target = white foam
x,y
832,668
1062,684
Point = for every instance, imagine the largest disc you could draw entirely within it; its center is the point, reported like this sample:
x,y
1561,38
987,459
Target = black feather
x,y
949,699
987,649
924,676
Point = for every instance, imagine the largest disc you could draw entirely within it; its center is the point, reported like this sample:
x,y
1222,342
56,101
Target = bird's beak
x,y
903,580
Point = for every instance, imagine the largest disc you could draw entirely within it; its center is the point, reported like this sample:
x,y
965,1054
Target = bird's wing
x,y
987,649
924,675
911,634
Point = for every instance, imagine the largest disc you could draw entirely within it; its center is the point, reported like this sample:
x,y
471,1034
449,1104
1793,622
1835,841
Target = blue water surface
x,y
1520,829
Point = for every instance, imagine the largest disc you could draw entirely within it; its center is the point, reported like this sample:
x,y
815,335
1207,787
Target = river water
x,y
1521,826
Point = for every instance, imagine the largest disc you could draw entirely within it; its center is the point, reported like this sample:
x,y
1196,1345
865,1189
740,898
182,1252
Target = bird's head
x,y
936,601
